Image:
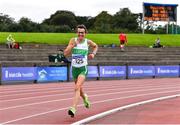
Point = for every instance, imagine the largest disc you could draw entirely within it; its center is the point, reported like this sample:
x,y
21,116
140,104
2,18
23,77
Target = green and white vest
x,y
79,54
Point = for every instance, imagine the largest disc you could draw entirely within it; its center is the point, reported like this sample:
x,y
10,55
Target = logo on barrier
x,y
52,74
42,75
141,71
167,70
18,73
112,71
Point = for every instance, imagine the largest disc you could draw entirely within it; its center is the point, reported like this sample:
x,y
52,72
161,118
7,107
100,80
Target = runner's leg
x,y
78,90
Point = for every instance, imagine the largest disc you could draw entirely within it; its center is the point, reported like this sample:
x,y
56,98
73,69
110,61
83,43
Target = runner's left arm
x,y
94,47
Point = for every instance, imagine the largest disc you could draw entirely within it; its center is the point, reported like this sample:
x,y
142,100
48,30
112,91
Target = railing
x,y
39,74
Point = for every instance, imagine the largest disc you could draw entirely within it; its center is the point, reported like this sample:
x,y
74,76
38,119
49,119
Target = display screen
x,y
160,12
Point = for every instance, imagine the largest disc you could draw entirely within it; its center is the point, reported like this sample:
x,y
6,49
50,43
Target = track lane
x,y
60,107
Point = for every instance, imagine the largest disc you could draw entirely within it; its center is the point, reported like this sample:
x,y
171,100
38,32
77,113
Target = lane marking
x,y
53,90
96,102
103,114
27,98
95,95
68,87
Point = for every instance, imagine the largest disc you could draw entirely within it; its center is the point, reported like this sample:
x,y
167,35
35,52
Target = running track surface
x,y
48,103
160,112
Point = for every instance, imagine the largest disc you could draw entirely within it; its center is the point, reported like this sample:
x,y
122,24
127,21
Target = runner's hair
x,y
82,26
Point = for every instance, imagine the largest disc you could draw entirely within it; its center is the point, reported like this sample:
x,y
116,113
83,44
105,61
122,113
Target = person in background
x,y
79,48
61,58
158,43
10,41
122,40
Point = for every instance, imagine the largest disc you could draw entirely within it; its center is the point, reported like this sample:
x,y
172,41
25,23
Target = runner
x,y
79,48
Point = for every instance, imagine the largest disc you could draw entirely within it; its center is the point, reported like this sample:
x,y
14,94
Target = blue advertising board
x,y
141,71
167,71
92,72
18,73
112,71
51,74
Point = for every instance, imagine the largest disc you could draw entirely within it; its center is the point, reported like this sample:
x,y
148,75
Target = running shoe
x,y
72,112
86,101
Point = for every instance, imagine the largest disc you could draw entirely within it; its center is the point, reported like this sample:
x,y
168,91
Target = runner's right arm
x,y
69,48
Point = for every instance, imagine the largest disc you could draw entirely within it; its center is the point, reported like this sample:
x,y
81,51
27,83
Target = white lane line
x,y
95,95
51,89
103,114
102,89
12,92
47,91
29,93
60,87
96,102
31,90
68,84
27,98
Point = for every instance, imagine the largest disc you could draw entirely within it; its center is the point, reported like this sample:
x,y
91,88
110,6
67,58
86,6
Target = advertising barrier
x,y
112,71
141,71
45,74
167,71
93,72
51,74
18,73
34,73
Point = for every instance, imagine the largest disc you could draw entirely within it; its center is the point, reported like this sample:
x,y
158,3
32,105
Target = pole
x,y
176,28
167,28
172,31
143,19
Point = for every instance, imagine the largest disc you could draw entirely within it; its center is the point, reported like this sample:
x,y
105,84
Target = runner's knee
x,y
77,87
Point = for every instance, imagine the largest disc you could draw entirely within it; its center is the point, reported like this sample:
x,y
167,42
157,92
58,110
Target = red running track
x,y
48,103
160,112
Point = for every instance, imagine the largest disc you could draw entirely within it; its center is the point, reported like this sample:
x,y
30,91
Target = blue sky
x,y
38,10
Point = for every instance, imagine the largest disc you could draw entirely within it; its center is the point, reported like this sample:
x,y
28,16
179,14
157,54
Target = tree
x,y
5,21
103,22
62,18
27,25
125,20
86,20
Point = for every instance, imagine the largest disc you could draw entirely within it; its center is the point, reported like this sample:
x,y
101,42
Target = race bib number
x,y
78,60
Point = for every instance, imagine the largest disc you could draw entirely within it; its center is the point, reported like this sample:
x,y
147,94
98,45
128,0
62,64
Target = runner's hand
x,y
91,56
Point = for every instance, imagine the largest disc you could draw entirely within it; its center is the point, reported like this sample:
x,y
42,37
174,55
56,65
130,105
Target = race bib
x,y
78,61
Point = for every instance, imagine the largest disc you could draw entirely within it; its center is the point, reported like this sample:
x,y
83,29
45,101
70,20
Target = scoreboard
x,y
160,12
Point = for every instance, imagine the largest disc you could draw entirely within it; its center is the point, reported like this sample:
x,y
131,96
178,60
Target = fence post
x,y
127,71
155,71
35,81
179,70
68,72
0,73
98,78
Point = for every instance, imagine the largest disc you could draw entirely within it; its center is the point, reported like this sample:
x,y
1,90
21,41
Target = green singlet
x,y
79,59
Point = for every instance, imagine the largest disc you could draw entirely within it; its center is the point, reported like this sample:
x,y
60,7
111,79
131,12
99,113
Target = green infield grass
x,y
101,39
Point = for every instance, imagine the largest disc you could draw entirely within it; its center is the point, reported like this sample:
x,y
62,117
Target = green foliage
x,y
61,18
125,20
26,25
102,22
66,21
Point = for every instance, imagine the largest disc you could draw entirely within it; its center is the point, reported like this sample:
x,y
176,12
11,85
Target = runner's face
x,y
81,33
